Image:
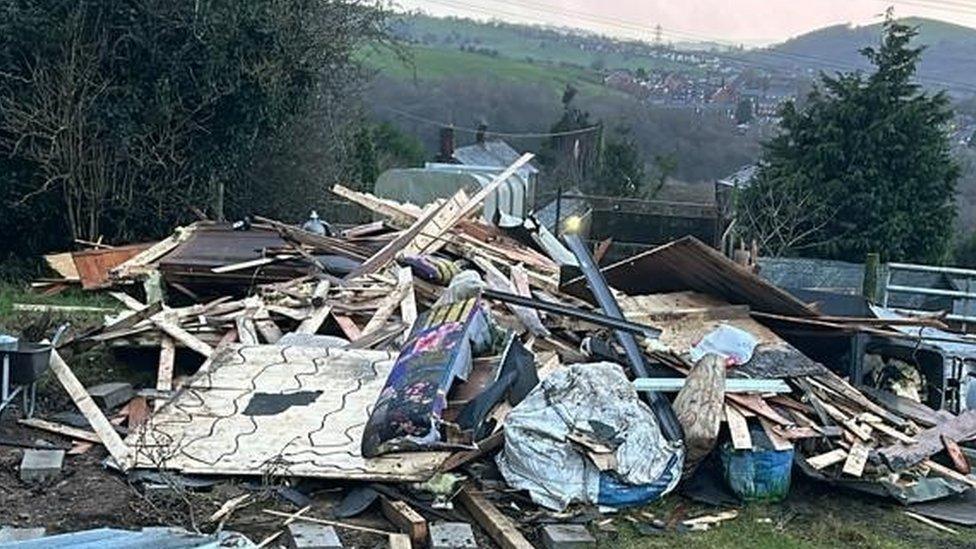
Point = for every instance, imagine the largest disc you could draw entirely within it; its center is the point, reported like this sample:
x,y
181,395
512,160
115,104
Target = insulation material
x,y
593,402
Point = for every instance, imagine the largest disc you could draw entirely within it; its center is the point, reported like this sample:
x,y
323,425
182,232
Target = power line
x,y
512,135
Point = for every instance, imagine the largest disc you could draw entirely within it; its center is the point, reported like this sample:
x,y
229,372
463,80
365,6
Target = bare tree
x,y
782,218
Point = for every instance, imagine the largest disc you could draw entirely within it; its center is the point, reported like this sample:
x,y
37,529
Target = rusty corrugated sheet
x,y
216,245
689,264
93,265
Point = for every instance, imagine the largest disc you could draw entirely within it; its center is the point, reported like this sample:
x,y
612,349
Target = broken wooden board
x,y
856,459
164,372
406,519
929,442
738,428
823,461
314,321
502,529
100,424
278,410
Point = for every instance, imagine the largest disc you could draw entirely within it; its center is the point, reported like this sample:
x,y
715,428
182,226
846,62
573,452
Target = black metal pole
x,y
598,285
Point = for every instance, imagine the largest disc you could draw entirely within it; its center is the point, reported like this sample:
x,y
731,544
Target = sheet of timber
x,y
280,410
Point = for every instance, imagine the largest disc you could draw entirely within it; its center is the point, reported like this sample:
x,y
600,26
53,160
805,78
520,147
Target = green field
x,y
520,42
424,64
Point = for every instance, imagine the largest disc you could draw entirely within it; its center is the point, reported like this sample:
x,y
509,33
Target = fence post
x,y
869,289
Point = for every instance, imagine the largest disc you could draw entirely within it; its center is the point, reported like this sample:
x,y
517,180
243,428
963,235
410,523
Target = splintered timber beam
x,y
99,423
501,528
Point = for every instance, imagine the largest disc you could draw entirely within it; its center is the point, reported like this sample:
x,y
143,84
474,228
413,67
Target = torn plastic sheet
x,y
734,344
598,403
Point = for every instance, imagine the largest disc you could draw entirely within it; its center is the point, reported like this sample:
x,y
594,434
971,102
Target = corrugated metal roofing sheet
x,y
689,264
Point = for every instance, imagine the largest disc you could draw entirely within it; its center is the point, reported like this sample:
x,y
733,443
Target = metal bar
x,y
961,318
930,291
565,310
598,285
932,269
732,385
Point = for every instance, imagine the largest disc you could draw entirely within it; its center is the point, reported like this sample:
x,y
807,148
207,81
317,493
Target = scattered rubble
x,y
439,367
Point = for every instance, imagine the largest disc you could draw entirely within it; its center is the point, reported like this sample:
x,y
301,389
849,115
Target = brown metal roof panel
x,y
689,264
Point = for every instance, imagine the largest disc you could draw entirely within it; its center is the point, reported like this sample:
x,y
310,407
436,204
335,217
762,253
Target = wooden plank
x,y
129,301
408,305
246,330
335,523
757,405
252,263
46,308
929,442
738,428
386,254
780,443
826,460
488,444
314,321
886,429
228,338
406,519
930,522
266,327
475,202
959,460
64,264
432,238
184,337
100,424
385,309
947,472
399,541
59,429
500,528
164,372
348,327
856,459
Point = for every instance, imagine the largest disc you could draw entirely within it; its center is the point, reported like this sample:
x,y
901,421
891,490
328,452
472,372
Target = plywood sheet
x,y
93,266
279,410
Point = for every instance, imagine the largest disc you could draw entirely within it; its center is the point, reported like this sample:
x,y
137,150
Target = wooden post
x,y
869,289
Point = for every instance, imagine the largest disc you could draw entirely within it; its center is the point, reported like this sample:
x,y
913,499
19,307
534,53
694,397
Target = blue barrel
x,y
757,474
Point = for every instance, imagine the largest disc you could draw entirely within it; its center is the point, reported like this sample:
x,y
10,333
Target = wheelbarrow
x,y
22,365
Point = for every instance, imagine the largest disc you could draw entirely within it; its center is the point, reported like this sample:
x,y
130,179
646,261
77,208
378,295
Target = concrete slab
x,y
41,465
567,536
111,395
10,534
451,535
306,535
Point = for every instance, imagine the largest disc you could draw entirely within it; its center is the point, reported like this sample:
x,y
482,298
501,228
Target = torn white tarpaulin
x,y
733,344
596,403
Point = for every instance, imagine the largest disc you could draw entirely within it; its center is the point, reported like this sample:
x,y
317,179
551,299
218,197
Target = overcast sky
x,y
750,22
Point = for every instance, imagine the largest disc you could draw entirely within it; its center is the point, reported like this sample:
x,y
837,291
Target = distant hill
x,y
950,55
554,45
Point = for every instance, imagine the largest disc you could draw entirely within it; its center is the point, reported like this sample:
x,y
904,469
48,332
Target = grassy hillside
x,y
425,63
950,54
522,42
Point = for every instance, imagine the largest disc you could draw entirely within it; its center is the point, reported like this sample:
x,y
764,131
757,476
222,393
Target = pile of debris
x,y
430,360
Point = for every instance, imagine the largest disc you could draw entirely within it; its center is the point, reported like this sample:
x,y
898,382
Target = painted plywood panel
x,y
278,410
